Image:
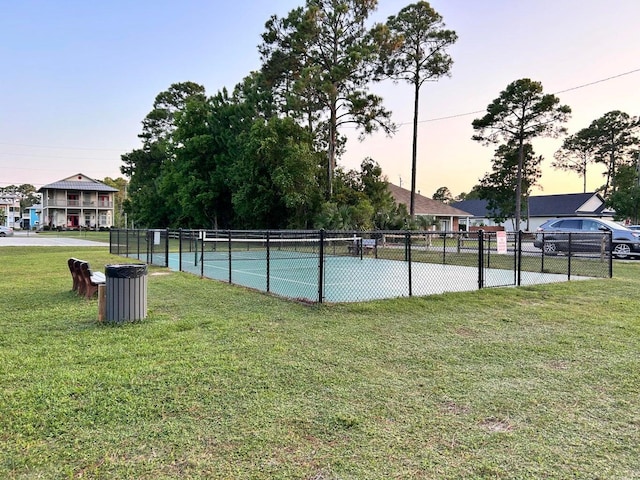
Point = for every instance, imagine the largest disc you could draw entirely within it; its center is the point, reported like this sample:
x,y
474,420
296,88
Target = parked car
x,y
5,231
553,236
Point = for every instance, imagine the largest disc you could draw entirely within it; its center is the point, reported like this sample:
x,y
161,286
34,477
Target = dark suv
x,y
578,234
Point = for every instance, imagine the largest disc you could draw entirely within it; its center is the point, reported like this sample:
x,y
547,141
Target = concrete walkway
x,y
31,239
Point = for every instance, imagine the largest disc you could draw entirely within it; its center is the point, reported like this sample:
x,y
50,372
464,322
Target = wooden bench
x,y
74,273
85,282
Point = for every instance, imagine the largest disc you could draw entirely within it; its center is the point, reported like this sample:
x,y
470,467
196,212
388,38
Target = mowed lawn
x,y
222,382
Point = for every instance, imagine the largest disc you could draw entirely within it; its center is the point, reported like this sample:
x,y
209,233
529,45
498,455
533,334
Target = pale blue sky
x,y
78,77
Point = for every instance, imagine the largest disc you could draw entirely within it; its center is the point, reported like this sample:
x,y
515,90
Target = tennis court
x,y
319,266
352,279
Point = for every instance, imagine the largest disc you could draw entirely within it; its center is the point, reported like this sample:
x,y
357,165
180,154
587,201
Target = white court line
x,y
264,275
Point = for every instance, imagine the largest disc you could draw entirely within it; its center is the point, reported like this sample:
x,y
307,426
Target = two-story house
x,y
10,210
77,202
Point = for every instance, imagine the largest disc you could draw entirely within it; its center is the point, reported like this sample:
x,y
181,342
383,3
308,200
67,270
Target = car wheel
x,y
2,234
621,250
549,248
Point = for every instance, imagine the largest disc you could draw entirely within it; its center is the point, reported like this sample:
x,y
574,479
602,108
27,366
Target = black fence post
x,y
480,259
569,255
195,256
180,249
444,248
230,278
202,235
519,257
408,244
542,250
610,239
166,249
268,263
149,246
321,267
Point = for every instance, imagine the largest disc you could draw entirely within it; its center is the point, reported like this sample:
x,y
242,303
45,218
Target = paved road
x,y
30,239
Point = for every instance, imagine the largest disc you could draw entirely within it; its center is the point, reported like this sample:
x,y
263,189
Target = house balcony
x,y
77,204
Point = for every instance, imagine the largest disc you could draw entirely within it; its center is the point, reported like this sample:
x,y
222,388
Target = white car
x,y
5,231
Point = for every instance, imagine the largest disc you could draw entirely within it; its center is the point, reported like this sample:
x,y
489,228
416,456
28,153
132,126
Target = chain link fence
x,y
338,266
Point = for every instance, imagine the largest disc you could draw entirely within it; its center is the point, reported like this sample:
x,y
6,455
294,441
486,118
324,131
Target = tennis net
x,y
266,248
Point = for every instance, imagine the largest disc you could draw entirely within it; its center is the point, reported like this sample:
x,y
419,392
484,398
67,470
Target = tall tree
x,y
275,179
613,137
498,186
329,56
188,179
145,204
146,166
418,54
626,199
576,153
521,112
160,123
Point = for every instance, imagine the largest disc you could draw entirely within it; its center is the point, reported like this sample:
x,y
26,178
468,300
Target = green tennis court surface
x,y
348,278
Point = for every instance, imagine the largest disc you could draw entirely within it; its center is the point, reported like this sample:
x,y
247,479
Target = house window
x,y
102,219
73,200
103,200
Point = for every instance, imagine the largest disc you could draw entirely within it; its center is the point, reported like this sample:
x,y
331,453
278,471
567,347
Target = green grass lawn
x,y
222,382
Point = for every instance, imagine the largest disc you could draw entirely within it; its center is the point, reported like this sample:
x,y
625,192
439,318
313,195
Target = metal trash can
x,y
126,292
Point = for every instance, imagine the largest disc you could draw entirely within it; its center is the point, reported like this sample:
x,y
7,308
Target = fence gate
x,y
499,255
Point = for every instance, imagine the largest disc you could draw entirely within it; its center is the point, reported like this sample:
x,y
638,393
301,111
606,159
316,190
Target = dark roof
x,y
424,205
477,208
88,184
566,204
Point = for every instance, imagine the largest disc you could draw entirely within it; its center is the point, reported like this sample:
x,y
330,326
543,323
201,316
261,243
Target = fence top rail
x,y
277,240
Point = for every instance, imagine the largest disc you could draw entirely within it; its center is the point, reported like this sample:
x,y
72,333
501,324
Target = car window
x,y
591,226
569,224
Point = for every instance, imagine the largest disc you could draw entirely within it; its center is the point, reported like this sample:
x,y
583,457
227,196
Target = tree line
x,y
266,153
523,112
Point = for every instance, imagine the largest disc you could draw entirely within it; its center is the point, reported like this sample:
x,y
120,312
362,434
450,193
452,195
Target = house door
x,y
73,221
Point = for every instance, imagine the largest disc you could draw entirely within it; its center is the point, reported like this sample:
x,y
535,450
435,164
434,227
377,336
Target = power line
x,y
437,119
598,81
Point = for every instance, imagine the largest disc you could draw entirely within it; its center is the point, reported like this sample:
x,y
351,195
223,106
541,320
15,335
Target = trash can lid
x,y
126,270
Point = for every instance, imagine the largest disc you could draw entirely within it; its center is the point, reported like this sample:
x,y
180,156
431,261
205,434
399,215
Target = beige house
x,y
77,202
447,216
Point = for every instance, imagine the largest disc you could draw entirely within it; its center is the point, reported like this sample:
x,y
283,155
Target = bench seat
x,y
85,282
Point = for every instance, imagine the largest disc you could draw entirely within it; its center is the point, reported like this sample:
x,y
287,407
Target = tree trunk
x,y
332,150
414,153
519,183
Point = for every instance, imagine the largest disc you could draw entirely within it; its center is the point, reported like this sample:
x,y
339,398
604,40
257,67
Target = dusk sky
x,y
78,77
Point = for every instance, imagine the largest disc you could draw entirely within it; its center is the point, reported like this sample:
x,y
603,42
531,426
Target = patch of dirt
x,y
496,425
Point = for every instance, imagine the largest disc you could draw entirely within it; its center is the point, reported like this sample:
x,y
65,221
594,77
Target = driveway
x,y
30,239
